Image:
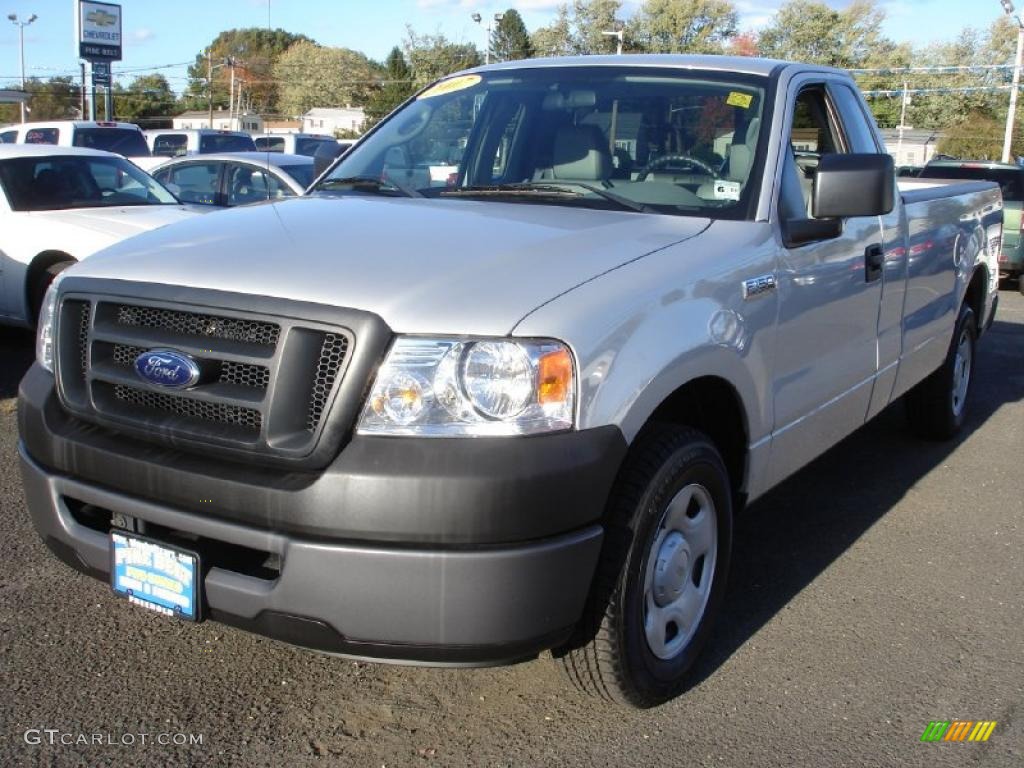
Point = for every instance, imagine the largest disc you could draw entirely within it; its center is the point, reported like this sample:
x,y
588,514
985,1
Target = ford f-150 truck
x,y
464,417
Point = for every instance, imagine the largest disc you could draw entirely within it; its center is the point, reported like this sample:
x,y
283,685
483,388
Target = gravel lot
x,y
877,590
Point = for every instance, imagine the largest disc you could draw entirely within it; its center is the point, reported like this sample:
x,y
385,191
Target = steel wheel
x,y
962,371
680,571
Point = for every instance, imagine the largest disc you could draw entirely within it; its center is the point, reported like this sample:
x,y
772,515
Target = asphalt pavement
x,y
877,590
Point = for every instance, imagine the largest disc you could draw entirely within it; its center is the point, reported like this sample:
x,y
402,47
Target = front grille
x,y
195,324
265,384
187,406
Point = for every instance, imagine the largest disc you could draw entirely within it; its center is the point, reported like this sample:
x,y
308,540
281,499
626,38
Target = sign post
x,y
98,33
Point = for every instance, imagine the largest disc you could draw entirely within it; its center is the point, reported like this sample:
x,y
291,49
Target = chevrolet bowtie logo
x,y
101,18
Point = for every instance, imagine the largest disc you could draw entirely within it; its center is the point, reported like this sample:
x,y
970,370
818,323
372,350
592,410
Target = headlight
x,y
466,388
47,326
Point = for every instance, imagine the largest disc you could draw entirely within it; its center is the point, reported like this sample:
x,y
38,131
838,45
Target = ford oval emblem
x,y
167,368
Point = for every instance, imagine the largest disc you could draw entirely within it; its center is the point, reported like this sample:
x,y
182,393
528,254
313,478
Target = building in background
x,y
331,120
222,121
917,147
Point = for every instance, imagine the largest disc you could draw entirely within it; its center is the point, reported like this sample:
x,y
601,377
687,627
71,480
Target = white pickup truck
x,y
466,418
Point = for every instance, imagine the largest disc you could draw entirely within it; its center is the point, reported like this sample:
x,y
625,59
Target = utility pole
x,y
903,123
1011,116
21,37
82,105
618,35
209,82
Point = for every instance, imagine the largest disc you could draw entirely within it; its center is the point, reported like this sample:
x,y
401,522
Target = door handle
x,y
874,261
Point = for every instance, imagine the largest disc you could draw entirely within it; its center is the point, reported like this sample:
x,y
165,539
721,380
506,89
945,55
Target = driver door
x,y
826,357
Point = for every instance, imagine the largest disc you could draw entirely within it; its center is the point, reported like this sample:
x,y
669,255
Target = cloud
x,y
520,5
142,35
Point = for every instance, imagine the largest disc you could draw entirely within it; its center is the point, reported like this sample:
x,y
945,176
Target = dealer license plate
x,y
154,575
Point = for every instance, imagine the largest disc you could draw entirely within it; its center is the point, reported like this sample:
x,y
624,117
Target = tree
x,y
683,26
743,44
812,32
510,39
395,89
579,29
311,75
147,96
978,137
556,38
255,50
55,99
433,56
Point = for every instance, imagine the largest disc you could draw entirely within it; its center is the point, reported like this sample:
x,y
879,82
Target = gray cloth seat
x,y
579,153
741,159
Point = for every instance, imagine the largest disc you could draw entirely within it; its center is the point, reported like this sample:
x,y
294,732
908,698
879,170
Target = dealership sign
x,y
99,31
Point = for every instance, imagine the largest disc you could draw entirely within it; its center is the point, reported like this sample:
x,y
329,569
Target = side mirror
x,y
853,185
324,157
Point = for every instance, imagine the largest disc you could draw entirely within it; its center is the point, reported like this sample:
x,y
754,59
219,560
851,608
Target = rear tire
x,y
662,573
936,407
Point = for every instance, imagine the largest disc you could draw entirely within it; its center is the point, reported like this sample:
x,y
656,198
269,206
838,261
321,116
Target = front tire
x,y
662,573
937,407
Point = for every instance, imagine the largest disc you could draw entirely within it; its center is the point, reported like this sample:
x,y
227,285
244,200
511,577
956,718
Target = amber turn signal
x,y
554,377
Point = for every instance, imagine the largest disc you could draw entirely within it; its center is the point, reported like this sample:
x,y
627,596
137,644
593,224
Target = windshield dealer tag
x,y
727,190
451,86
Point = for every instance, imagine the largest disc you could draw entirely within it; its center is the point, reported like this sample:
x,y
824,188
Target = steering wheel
x,y
665,160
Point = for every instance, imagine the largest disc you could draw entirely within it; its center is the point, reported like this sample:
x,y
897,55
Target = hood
x,y
116,223
424,266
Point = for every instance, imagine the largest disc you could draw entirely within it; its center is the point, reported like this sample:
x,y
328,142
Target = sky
x,y
164,36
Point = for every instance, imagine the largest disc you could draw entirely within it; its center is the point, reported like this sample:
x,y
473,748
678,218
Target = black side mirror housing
x,y
324,156
853,185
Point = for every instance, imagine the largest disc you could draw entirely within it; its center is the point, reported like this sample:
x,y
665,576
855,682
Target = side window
x,y
814,134
253,185
9,137
41,136
858,130
197,182
270,143
170,145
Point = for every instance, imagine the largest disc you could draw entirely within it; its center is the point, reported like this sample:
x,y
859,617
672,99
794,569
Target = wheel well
x,y
711,405
38,268
975,295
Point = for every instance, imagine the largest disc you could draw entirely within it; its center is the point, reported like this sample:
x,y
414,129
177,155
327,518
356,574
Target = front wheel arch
x,y
38,278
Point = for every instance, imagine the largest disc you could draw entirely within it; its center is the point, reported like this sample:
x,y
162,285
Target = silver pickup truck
x,y
502,381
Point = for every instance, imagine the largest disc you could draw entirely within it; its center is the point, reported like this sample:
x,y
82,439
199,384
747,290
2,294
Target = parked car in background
x,y
464,420
59,205
908,171
292,143
1010,178
125,139
167,142
241,178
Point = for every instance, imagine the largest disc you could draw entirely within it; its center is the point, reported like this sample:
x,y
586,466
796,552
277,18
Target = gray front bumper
x,y
429,605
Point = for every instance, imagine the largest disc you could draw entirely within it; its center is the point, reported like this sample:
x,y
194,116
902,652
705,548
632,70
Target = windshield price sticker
x,y
737,99
451,86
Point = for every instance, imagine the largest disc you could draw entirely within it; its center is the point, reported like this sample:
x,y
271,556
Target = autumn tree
x,y
579,29
310,75
683,26
510,39
255,51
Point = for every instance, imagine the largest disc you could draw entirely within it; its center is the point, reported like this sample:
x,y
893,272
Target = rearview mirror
x,y
853,185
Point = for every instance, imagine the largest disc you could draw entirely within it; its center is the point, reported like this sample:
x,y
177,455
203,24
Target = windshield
x,y
680,142
301,173
123,141
57,183
1007,178
213,143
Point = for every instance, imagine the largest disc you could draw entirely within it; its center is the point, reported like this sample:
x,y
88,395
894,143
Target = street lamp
x,y
21,34
490,29
1012,114
618,35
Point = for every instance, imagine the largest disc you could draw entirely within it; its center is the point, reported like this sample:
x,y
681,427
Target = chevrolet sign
x,y
99,31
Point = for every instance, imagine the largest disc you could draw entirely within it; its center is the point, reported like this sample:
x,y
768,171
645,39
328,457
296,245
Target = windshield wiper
x,y
545,189
371,183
